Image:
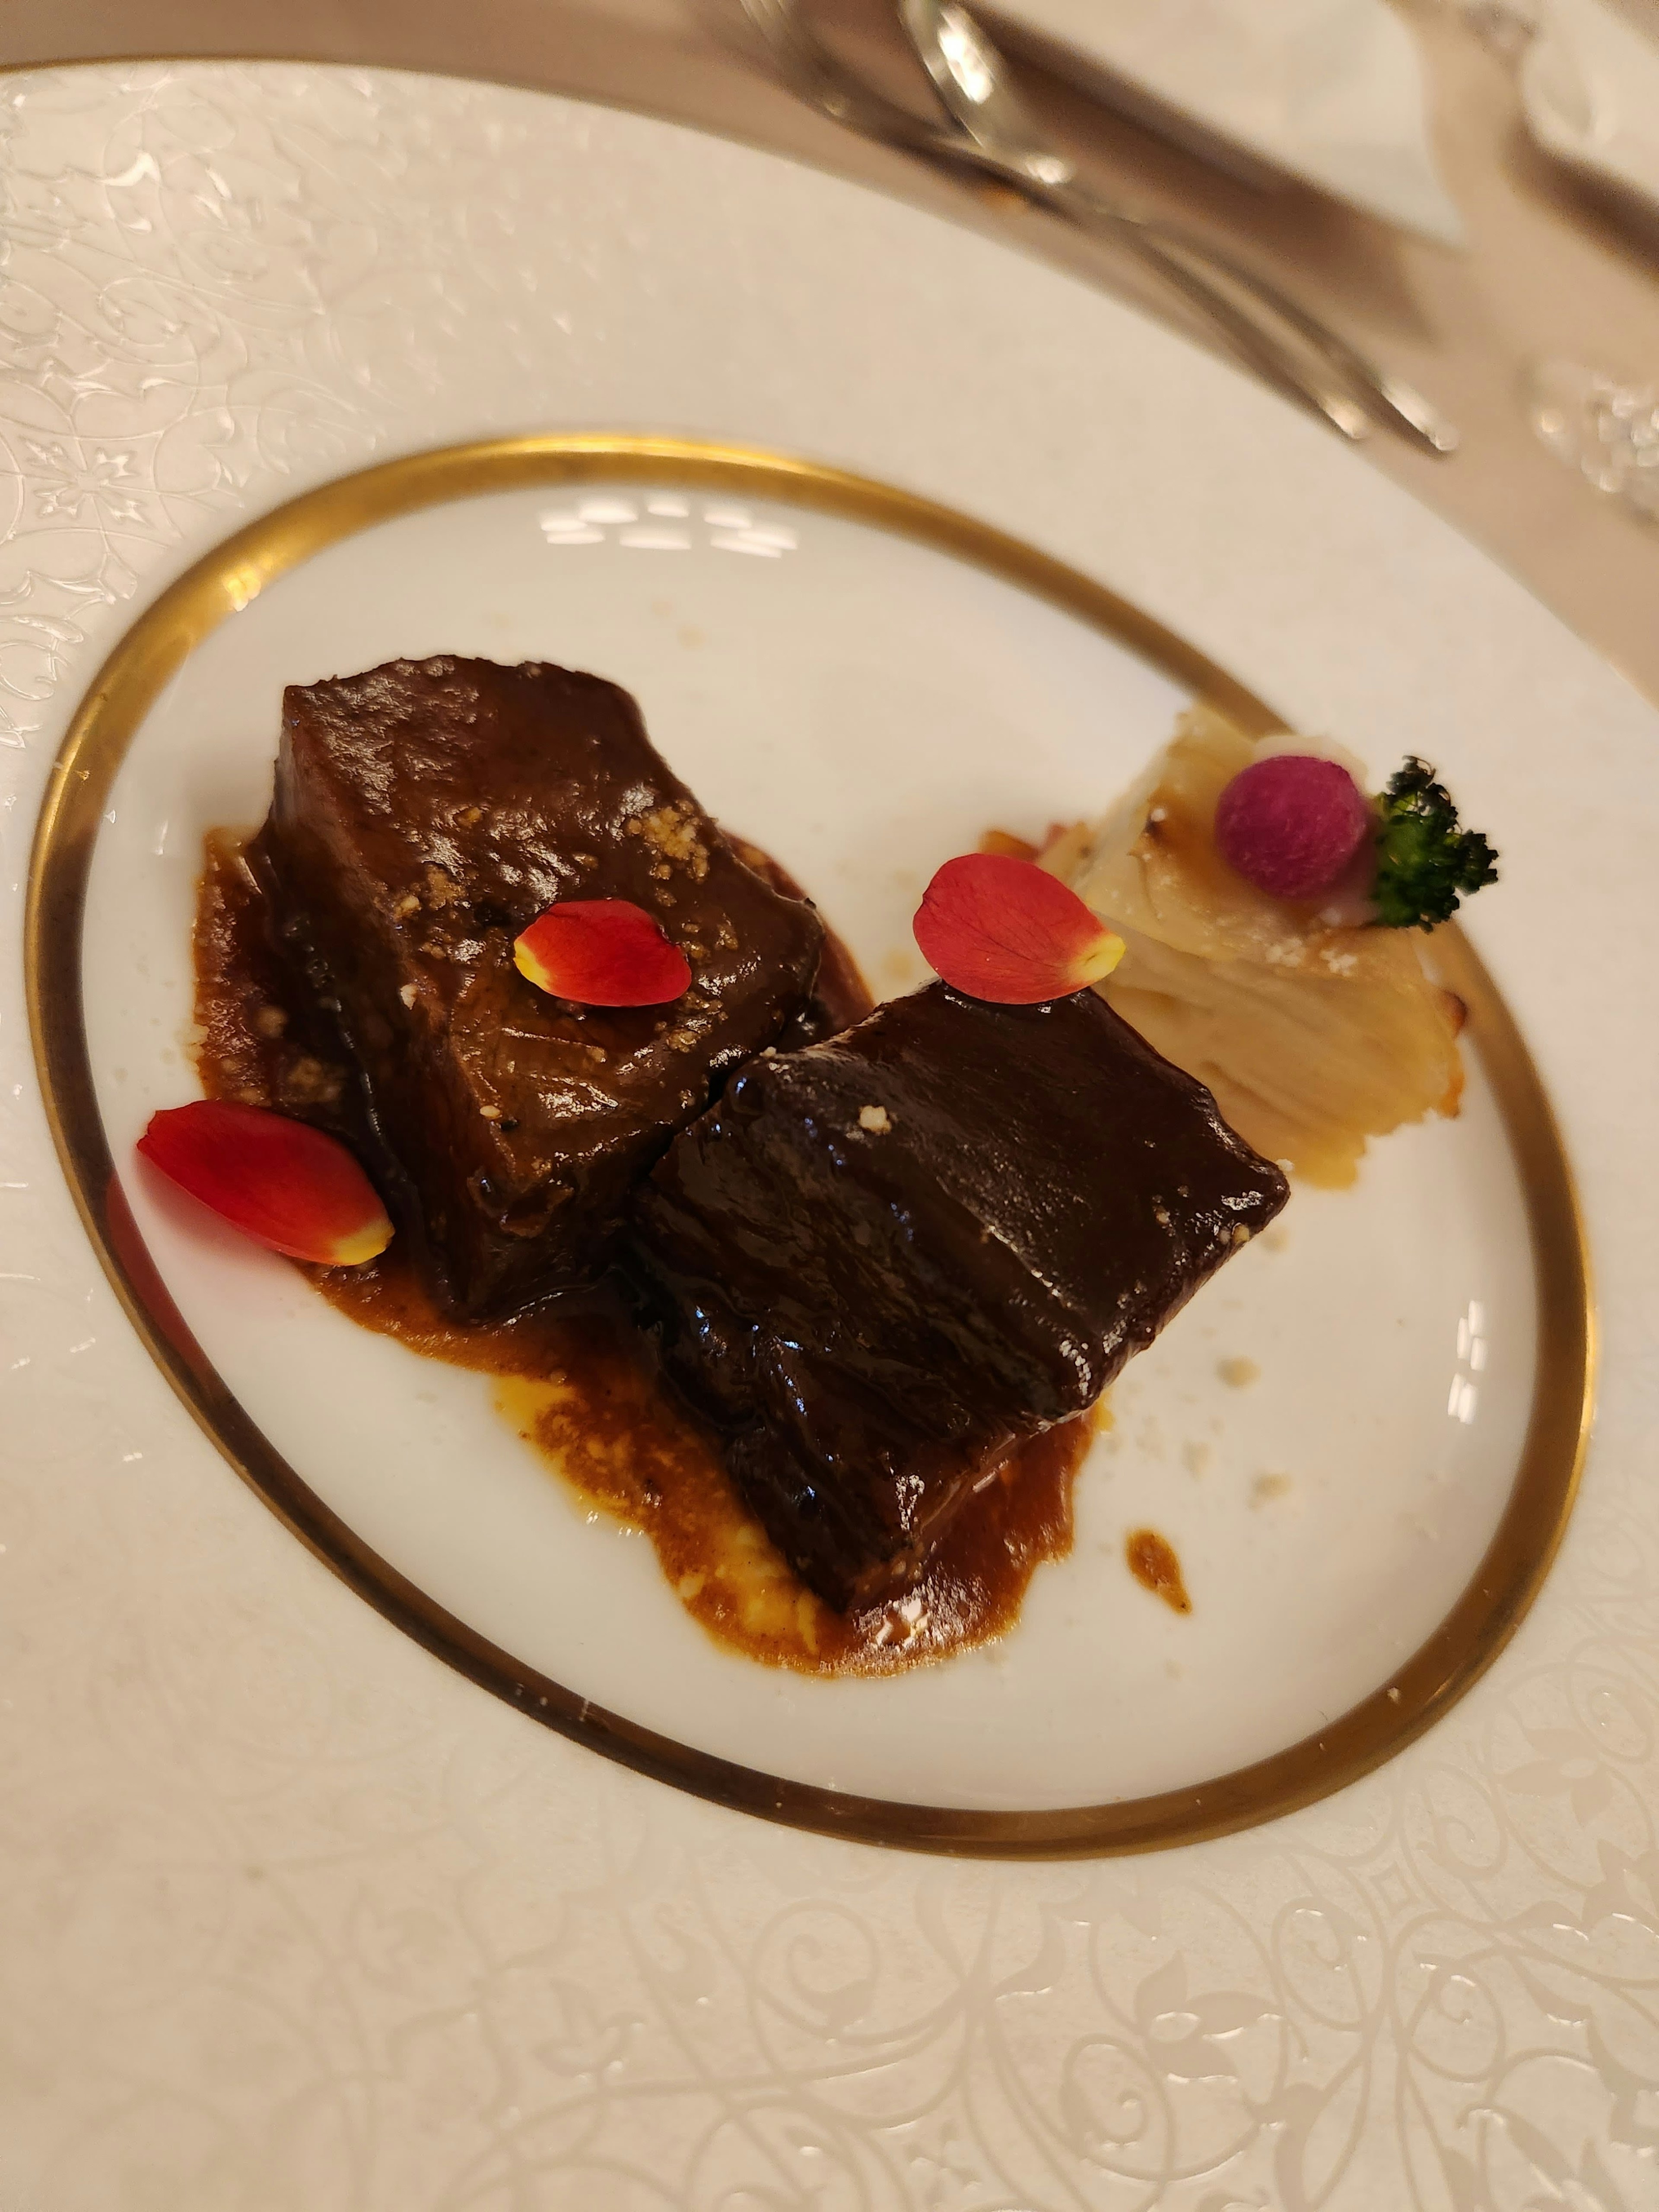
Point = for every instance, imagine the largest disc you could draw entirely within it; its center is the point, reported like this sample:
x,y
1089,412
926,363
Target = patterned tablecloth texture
x,y
290,1916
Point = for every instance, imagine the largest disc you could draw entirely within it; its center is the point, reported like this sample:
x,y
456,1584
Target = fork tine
x,y
815,75
796,50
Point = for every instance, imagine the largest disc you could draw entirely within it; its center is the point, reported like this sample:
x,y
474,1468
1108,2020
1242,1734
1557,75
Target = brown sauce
x,y
579,1387
1153,1563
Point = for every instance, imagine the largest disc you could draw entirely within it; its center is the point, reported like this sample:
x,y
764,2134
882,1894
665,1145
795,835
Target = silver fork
x,y
815,75
810,70
972,78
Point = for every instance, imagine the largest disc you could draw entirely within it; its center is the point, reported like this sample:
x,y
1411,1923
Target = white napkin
x,y
1330,91
1590,89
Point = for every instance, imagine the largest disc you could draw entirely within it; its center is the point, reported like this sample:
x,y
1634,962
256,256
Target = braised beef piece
x,y
882,1262
425,813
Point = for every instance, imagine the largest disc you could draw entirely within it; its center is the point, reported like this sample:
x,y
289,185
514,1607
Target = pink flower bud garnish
x,y
289,1187
1291,823
1003,929
602,952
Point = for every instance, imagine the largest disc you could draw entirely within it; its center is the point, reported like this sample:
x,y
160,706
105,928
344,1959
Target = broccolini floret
x,y
1425,862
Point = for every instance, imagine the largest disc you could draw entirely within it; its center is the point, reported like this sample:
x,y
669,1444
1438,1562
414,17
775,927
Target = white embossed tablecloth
x,y
292,1919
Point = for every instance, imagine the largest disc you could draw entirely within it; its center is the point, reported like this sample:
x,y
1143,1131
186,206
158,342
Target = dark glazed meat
x,y
425,813
882,1262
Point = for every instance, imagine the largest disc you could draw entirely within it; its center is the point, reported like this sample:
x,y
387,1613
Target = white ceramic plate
x,y
864,705
298,1914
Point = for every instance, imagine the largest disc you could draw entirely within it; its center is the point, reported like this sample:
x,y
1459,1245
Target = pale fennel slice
x,y
1313,1035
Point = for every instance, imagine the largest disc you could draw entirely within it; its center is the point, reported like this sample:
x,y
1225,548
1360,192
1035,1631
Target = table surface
x,y
1553,269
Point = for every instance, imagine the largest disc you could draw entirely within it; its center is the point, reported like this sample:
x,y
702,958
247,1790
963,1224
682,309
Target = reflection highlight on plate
x,y
1473,1345
638,526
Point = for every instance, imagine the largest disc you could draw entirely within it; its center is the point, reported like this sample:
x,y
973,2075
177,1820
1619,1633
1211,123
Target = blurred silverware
x,y
972,79
1043,178
811,70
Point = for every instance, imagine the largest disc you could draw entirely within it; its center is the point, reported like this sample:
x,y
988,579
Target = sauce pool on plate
x,y
578,1385
1153,1563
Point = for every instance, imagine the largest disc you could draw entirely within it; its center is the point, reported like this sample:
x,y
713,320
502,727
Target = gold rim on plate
x,y
1459,1649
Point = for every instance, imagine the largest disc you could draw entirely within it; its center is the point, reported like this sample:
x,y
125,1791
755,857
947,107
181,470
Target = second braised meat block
x,y
882,1262
425,813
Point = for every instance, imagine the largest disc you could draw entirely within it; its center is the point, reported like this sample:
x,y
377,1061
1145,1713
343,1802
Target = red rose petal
x,y
1291,824
602,952
285,1184
999,928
